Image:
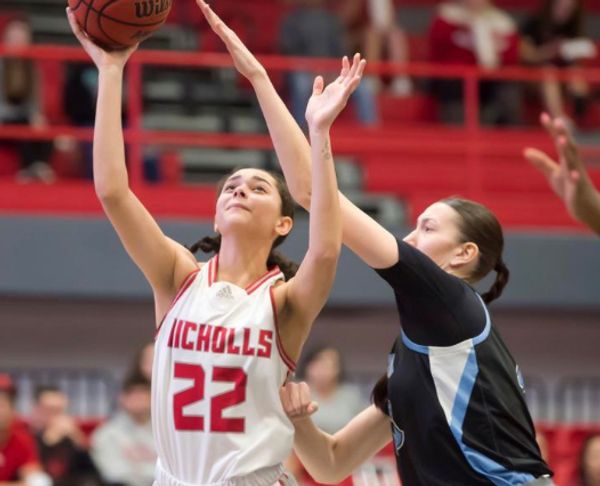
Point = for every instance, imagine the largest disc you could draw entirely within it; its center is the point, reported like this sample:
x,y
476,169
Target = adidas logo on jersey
x,y
225,293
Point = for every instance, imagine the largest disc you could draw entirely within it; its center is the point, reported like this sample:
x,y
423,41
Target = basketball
x,y
117,24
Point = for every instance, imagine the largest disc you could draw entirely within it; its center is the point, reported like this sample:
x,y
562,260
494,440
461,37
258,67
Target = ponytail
x,y
287,266
502,275
212,244
379,395
208,244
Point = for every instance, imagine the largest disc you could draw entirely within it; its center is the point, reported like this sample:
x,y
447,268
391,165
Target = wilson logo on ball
x,y
148,8
118,24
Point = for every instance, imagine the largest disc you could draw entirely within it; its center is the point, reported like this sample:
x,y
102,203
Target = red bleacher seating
x,y
404,162
257,23
9,160
77,198
52,79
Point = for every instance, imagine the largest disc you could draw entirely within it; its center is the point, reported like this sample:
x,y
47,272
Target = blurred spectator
x,y
123,448
475,32
19,465
19,102
313,30
80,94
374,31
142,363
61,444
554,36
79,97
589,466
322,369
339,402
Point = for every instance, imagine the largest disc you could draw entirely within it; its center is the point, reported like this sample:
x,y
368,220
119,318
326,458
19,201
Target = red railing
x,y
466,140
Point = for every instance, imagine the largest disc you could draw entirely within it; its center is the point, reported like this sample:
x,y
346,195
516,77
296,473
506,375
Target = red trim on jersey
x,y
289,362
257,283
214,269
187,281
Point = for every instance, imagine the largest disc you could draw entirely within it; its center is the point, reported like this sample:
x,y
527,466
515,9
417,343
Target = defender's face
x,y
437,234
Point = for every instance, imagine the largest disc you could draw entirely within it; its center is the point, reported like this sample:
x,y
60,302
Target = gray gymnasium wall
x,y
70,298
81,257
105,334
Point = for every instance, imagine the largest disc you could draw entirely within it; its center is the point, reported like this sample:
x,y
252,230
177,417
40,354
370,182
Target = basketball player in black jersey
x,y
568,177
453,393
453,397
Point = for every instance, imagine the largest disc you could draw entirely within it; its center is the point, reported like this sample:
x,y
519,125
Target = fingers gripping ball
x,y
117,24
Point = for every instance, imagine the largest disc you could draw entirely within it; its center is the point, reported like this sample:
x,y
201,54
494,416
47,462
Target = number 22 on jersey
x,y
195,394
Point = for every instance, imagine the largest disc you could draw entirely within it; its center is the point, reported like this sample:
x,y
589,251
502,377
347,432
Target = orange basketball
x,y
116,24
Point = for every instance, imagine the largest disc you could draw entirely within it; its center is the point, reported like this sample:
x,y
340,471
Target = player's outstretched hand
x,y
326,103
296,401
244,61
568,177
100,57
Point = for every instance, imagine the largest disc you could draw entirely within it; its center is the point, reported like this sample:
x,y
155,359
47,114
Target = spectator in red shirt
x,y
19,464
475,32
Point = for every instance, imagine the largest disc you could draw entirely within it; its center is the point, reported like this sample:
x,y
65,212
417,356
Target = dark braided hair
x,y
476,224
479,225
212,244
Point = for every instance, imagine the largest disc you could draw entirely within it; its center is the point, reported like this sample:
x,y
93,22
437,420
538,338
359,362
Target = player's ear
x,y
466,253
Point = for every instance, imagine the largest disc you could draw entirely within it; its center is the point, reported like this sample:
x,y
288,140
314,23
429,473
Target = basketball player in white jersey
x,y
230,330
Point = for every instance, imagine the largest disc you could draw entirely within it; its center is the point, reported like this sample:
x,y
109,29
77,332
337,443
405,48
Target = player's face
x,y
437,234
250,202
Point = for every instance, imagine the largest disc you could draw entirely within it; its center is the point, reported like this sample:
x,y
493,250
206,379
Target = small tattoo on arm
x,y
326,151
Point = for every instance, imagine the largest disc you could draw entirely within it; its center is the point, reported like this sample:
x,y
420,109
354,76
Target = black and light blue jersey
x,y
456,397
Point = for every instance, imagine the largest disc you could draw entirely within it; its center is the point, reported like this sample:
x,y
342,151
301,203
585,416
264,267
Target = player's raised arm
x,y
163,262
288,139
568,177
331,458
380,250
306,293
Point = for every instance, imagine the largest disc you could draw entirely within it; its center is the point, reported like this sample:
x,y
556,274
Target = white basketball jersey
x,y
218,368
